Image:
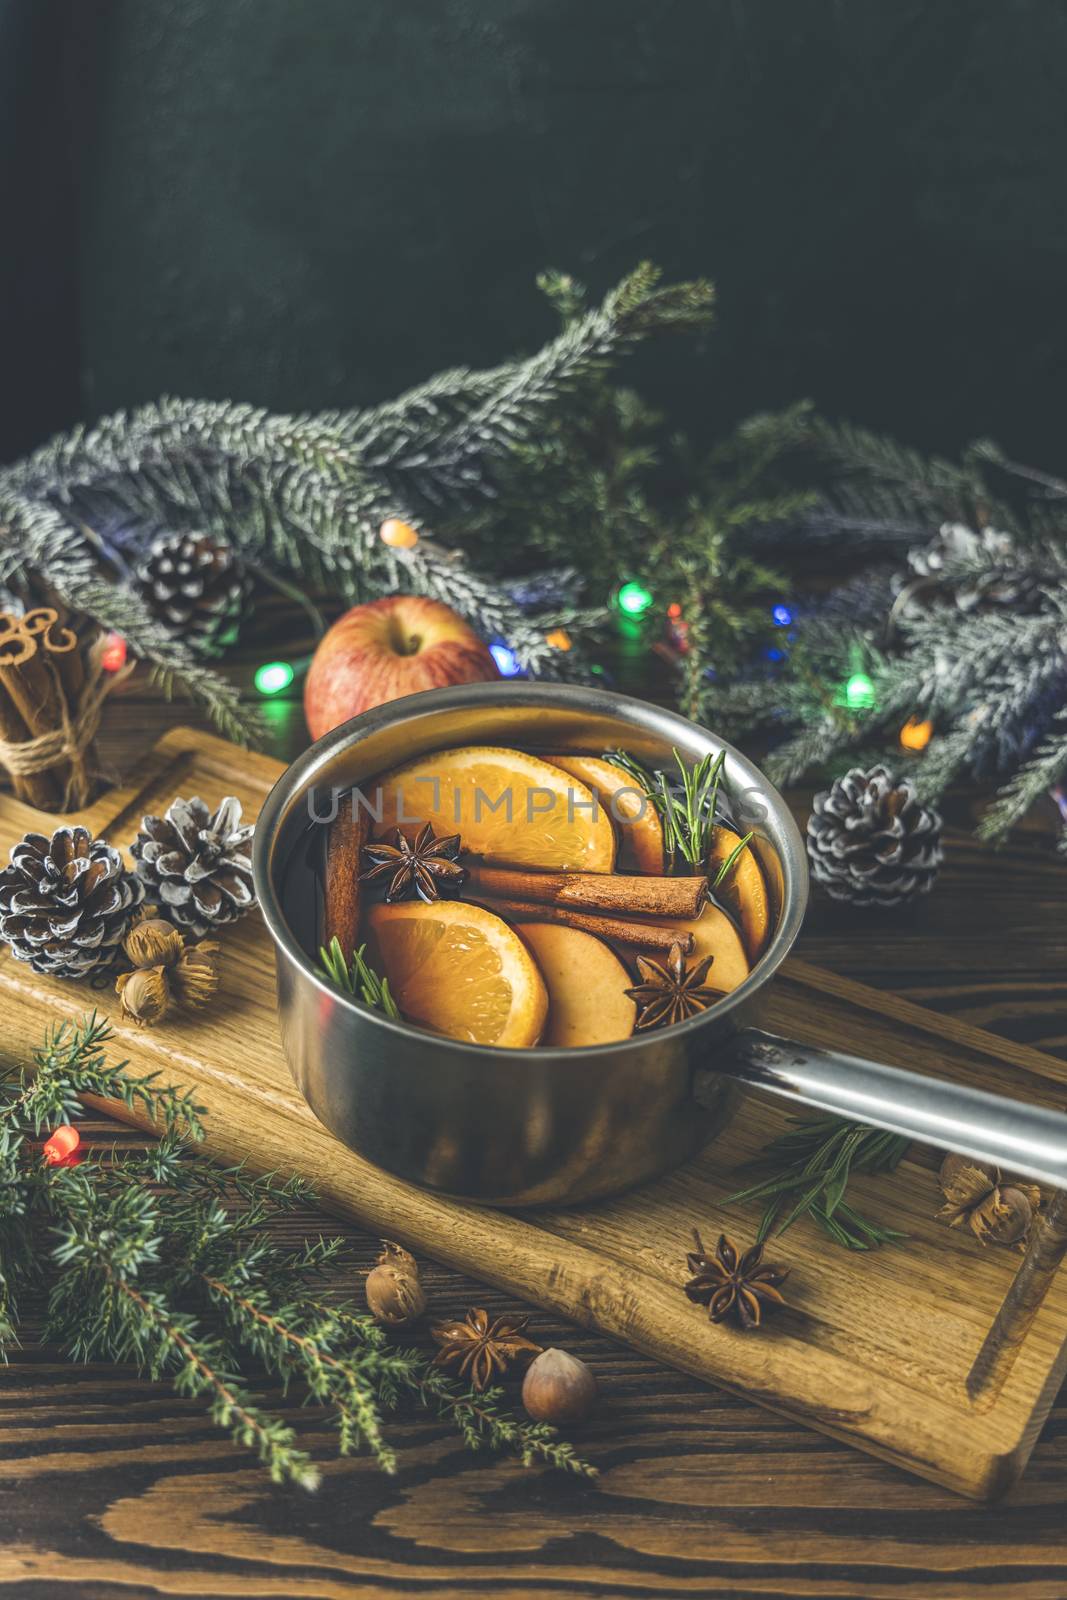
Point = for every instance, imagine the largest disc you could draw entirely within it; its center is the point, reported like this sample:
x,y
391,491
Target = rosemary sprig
x,y
730,860
685,805
813,1162
357,977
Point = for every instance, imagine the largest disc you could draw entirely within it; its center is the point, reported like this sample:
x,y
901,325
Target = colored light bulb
x,y
60,1146
916,734
113,655
506,660
559,639
634,599
781,616
859,692
400,535
273,677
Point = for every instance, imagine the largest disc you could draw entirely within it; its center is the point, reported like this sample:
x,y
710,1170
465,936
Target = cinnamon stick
x,y
63,650
596,891
341,889
637,935
29,705
39,620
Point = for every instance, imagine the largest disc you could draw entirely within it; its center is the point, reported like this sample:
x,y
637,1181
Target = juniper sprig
x,y
161,1259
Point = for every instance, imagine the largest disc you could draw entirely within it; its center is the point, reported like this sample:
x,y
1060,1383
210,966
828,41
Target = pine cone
x,y
194,584
981,571
871,842
67,902
196,865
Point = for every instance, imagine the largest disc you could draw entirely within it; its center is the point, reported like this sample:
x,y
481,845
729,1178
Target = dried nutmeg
x,y
394,1293
196,976
558,1388
144,995
153,943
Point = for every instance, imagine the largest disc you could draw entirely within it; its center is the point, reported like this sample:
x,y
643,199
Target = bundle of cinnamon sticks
x,y
45,742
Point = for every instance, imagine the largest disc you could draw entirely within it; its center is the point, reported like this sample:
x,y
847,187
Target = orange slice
x,y
461,971
507,807
743,889
587,984
639,830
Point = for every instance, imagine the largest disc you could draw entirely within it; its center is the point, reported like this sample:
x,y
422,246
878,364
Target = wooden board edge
x,y
896,1009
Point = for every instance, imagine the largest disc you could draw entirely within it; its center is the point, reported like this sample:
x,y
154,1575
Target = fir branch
x,y
70,1064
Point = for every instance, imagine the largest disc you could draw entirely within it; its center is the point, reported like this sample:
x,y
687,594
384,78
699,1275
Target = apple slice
x,y
509,808
743,889
715,935
586,983
639,832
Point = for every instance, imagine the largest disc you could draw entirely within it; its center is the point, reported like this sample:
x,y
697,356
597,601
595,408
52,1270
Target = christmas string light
x,y
399,535
273,677
559,639
781,616
59,1149
506,660
113,655
916,734
633,598
859,692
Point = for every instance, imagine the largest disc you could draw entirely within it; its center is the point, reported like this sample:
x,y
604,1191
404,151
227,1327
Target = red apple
x,y
388,648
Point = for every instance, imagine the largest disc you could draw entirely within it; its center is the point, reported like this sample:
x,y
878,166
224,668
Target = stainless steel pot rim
x,y
300,775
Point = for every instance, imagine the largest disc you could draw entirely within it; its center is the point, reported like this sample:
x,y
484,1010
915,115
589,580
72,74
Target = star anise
x,y
673,992
733,1285
478,1347
418,866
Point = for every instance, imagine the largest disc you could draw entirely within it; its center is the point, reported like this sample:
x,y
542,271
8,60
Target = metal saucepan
x,y
555,1126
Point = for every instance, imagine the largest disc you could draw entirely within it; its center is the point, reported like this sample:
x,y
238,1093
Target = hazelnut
x,y
394,1293
196,976
153,942
954,1164
558,1388
144,995
1009,1221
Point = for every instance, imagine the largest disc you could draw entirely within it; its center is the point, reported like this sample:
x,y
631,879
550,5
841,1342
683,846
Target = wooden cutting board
x,y
875,1349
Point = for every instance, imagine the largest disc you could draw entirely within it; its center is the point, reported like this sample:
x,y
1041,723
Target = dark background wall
x,y
316,202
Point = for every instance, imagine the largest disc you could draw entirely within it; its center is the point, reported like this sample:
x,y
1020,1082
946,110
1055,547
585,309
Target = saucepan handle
x,y
1024,1139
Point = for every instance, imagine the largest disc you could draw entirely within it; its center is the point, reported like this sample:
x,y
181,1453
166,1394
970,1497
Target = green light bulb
x,y
273,677
634,599
859,692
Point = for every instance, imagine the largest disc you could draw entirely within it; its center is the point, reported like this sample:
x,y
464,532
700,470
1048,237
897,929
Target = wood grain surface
x,y
112,1487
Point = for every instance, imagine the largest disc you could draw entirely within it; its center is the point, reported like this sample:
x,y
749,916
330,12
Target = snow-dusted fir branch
x,y
306,495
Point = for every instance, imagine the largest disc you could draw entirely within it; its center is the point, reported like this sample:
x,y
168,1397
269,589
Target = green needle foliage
x,y
812,1164
687,807
955,611
305,496
161,1259
356,977
605,489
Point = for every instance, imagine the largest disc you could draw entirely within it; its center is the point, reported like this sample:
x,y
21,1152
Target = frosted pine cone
x,y
194,584
196,865
871,842
66,903
981,570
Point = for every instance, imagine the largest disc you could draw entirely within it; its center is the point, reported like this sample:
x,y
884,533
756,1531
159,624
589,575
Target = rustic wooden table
x,y
112,1487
